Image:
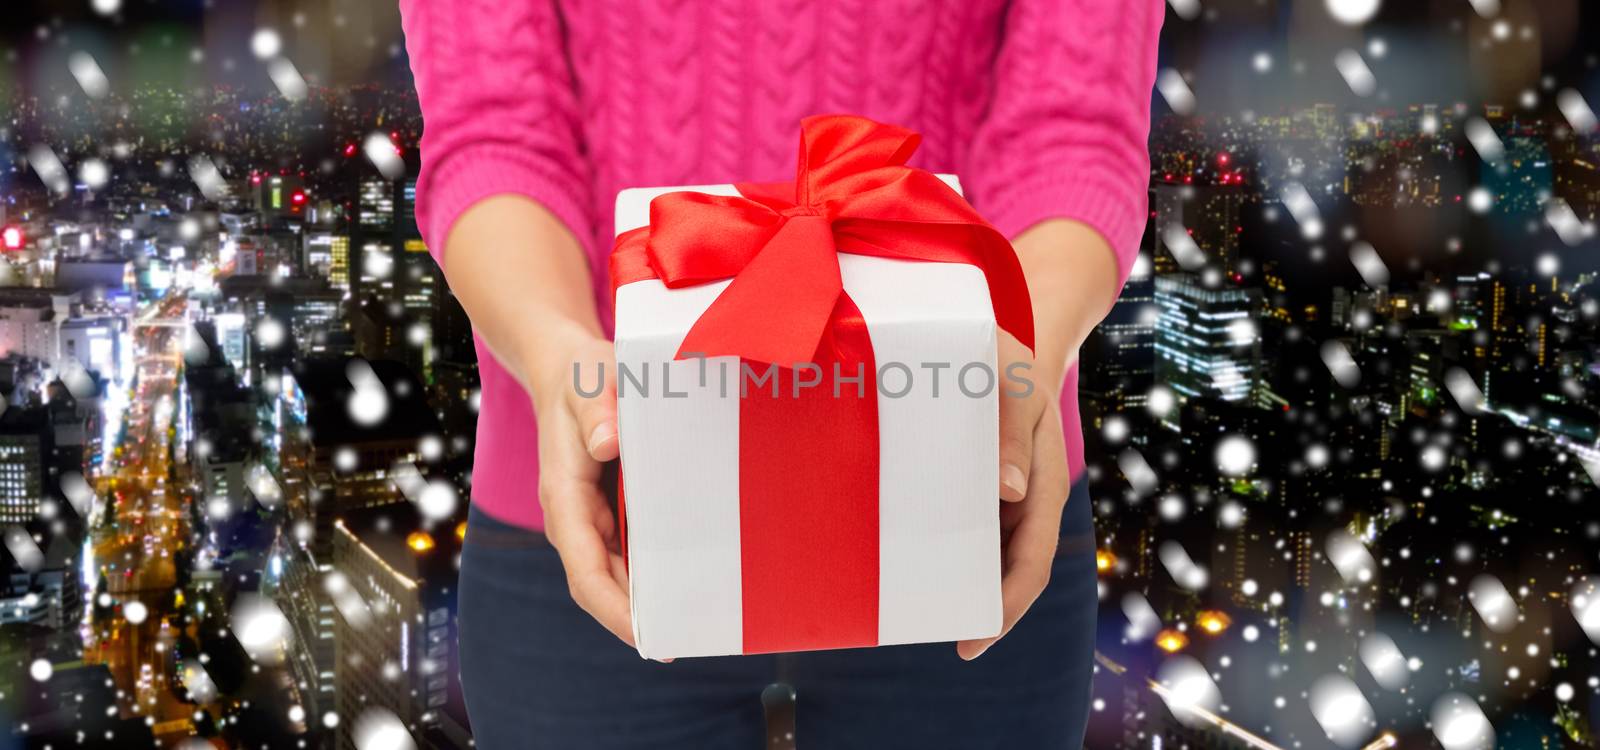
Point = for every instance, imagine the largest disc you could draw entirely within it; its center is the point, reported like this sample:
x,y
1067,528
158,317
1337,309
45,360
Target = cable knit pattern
x,y
1041,106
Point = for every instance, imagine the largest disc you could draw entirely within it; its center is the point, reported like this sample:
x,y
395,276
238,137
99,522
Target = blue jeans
x,y
539,672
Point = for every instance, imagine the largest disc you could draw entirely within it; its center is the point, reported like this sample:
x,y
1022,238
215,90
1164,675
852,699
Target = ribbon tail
x,y
976,244
751,321
808,498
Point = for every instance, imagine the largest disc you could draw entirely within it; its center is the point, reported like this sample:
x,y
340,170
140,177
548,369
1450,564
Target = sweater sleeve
x,y
499,111
1066,133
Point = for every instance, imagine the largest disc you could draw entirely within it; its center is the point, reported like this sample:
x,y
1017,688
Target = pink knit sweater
x,y
1041,106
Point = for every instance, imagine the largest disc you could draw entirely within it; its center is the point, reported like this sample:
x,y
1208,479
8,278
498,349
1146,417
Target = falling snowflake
x,y
1341,710
51,171
1493,603
86,71
1181,567
94,173
379,729
1459,723
1369,264
1231,515
1352,12
197,681
1577,111
1170,508
382,153
270,333
1138,471
1188,690
1384,661
208,178
1176,91
265,44
1548,264
1235,455
1433,457
1483,139
438,500
286,77
260,628
78,493
1161,401
1115,429
1357,75
1143,622
1188,10
346,599
1464,390
1183,248
1565,222
1303,209
1350,557
1340,364
24,550
134,612
1480,200
369,402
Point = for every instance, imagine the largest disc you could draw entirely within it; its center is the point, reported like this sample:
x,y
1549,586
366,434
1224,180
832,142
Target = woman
x,y
537,112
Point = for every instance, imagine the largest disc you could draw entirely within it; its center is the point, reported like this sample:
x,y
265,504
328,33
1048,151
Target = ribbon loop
x,y
852,193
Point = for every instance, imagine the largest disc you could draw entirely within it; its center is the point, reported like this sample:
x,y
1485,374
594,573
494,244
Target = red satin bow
x,y
853,193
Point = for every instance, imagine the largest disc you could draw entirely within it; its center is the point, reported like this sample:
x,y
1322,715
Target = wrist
x,y
546,363
1072,280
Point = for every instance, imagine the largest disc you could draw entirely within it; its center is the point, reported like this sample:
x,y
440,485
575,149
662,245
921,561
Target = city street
x,y
136,549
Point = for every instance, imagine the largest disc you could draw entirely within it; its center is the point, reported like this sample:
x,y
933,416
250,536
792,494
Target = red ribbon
x,y
808,464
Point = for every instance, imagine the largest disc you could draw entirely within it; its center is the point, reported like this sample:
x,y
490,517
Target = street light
x,y
419,541
1213,621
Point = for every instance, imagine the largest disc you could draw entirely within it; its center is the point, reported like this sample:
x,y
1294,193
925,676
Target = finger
x,y
1028,561
594,575
1018,416
597,421
1031,548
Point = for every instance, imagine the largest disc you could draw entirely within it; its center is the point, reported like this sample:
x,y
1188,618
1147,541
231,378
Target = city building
x,y
1124,365
27,443
1207,341
30,322
395,631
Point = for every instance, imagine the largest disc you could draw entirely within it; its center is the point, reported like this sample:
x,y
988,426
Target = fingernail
x,y
980,651
1012,478
605,431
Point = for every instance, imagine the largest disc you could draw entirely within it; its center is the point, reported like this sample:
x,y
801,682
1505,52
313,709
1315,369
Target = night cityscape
x,y
1342,444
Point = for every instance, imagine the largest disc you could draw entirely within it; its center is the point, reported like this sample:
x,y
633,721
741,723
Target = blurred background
x,y
1343,447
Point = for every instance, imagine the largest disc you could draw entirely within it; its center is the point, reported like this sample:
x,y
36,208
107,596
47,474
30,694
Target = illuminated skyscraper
x,y
1125,369
24,444
393,582
1208,213
1208,344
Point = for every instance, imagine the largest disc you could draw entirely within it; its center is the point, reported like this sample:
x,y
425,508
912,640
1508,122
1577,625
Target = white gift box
x,y
938,510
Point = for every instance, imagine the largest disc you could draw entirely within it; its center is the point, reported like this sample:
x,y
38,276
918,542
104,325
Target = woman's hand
x,y
524,281
577,436
1034,482
1072,276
